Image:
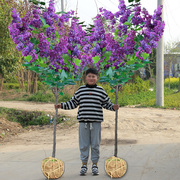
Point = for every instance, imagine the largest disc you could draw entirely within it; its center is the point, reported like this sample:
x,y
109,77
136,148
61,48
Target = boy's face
x,y
91,79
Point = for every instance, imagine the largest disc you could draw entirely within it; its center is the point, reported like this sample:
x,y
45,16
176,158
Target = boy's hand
x,y
56,106
115,106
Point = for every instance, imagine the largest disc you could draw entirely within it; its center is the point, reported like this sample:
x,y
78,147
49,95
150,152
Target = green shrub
x,y
26,118
48,96
42,96
11,85
136,87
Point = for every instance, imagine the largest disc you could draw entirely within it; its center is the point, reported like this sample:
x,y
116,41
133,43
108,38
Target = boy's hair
x,y
92,70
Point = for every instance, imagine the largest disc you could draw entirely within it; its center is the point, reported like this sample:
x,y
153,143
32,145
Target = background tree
x,y
10,58
171,53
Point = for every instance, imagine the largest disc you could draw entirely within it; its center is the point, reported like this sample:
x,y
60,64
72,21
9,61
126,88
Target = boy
x,y
90,98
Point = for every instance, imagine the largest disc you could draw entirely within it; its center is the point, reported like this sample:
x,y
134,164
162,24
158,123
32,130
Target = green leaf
x,y
26,64
31,27
69,52
145,55
112,90
49,83
109,72
103,49
130,62
34,68
42,3
113,82
60,84
34,41
139,38
81,22
46,26
35,32
130,17
138,29
77,62
61,93
95,59
63,75
57,34
128,23
42,64
61,12
27,58
66,58
107,55
116,32
125,80
43,20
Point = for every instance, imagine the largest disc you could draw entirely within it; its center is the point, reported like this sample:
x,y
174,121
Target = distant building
x,y
174,58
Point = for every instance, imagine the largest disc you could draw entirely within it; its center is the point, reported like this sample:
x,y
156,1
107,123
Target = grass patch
x,y
170,101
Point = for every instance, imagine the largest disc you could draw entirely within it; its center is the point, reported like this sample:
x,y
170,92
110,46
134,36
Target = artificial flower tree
x,y
56,46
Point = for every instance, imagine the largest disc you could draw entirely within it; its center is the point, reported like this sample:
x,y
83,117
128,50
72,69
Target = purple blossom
x,y
26,51
34,56
153,44
129,43
16,16
37,23
146,47
20,46
43,45
122,7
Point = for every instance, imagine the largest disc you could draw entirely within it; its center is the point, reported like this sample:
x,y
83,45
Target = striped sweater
x,y
91,100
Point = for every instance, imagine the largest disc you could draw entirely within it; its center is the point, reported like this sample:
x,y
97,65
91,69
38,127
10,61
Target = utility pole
x,y
160,66
62,5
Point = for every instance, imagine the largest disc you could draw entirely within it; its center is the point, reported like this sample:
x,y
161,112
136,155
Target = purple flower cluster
x,y
130,31
136,28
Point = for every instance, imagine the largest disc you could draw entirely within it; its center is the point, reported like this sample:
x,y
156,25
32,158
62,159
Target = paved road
x,y
145,162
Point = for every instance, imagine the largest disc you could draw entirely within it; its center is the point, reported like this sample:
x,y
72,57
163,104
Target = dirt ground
x,y
135,126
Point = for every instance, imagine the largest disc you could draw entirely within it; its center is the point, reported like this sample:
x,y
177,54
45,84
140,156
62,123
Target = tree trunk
x,y
21,79
116,124
169,85
55,123
28,81
34,85
1,82
150,71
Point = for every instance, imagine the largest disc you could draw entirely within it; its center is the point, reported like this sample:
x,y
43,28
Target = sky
x,y
87,9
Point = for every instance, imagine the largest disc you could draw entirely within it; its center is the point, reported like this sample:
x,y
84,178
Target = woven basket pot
x,y
115,167
52,168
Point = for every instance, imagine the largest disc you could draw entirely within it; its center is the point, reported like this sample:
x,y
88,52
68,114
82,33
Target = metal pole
x,y
62,5
160,67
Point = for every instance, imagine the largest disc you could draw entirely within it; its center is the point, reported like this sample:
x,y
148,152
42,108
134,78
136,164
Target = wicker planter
x,y
52,168
115,167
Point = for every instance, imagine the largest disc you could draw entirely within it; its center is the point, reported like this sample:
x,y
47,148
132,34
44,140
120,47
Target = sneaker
x,y
83,170
95,170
